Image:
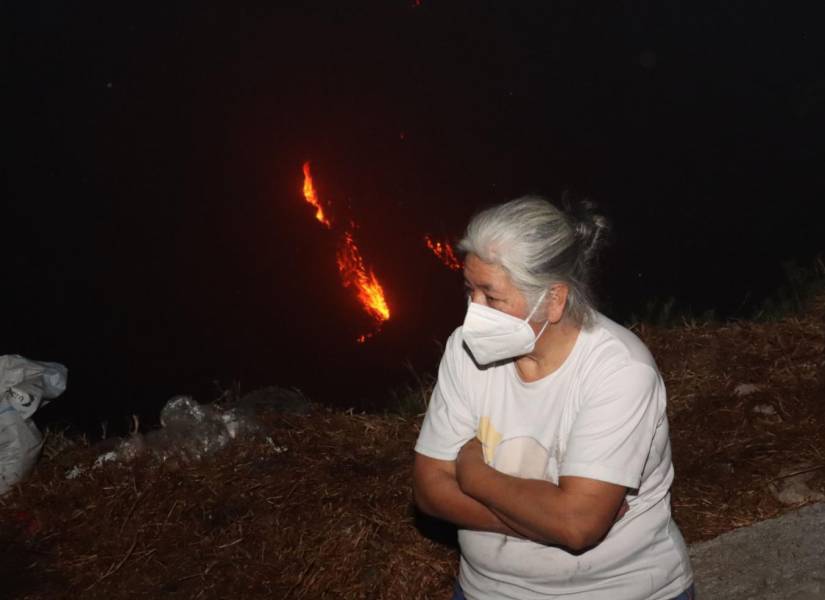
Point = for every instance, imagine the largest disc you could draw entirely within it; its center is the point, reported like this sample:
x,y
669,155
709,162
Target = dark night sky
x,y
156,240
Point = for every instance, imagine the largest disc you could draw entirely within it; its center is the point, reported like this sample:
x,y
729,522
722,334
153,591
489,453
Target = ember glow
x,y
351,264
312,197
445,253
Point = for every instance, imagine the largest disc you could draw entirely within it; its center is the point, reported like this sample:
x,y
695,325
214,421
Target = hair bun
x,y
590,228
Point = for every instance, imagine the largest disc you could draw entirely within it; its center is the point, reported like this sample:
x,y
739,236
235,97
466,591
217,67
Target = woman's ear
x,y
557,301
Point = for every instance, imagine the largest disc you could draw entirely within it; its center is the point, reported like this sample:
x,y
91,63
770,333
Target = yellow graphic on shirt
x,y
489,437
525,457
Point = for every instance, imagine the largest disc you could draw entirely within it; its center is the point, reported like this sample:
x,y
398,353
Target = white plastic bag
x,y
25,385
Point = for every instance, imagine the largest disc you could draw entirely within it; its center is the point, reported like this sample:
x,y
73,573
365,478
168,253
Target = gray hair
x,y
539,245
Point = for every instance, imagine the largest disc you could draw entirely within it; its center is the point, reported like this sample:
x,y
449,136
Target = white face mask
x,y
492,335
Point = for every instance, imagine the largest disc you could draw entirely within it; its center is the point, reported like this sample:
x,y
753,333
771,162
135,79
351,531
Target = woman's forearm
x,y
534,508
575,514
437,493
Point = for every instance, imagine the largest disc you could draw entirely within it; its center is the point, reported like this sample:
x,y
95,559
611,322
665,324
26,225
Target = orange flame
x,y
351,264
353,273
312,198
444,252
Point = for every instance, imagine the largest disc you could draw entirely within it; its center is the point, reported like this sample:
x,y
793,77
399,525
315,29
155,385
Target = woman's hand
x,y
469,463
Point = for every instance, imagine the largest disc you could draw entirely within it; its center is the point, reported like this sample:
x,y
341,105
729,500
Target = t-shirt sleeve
x,y
614,429
449,421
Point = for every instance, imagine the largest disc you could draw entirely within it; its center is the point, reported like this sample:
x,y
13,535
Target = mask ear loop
x,y
536,306
532,312
543,327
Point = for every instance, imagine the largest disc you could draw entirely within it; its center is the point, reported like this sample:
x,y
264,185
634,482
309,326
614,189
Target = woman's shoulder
x,y
455,352
610,342
455,342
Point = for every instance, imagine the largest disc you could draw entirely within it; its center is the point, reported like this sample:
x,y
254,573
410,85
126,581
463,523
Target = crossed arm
x,y
577,513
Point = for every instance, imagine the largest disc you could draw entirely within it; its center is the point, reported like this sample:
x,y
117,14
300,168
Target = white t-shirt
x,y
601,415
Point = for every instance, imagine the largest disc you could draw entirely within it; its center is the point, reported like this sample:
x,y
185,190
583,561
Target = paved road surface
x,y
779,559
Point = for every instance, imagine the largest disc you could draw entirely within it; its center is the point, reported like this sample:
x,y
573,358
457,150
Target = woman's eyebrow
x,y
486,287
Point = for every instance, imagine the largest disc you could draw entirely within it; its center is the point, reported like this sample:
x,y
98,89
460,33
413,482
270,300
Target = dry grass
x,y
728,448
323,508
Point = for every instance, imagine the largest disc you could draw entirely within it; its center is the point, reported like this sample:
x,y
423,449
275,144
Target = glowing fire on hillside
x,y
368,289
311,197
445,253
351,265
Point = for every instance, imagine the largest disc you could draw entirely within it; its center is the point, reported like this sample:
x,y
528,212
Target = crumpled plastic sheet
x,y
189,432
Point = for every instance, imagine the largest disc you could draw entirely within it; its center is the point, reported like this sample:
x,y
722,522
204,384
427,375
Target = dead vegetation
x,y
747,418
319,506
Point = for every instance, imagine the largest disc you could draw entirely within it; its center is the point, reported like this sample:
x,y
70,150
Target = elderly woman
x,y
546,438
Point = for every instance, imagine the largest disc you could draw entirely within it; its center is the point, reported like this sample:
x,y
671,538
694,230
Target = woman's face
x,y
491,286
